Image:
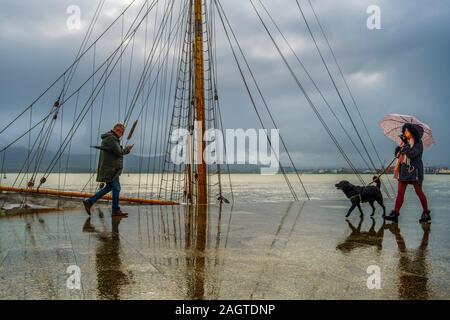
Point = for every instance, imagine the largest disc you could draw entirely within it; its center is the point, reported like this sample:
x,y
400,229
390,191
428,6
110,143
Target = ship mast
x,y
202,193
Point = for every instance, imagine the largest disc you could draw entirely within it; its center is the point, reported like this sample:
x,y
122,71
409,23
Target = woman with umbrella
x,y
412,136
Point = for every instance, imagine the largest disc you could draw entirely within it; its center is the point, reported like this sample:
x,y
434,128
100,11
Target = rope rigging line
x,y
214,120
181,78
70,145
120,76
152,87
148,74
166,129
161,66
145,102
84,111
129,70
335,86
185,119
186,115
107,61
167,76
209,19
128,36
98,85
41,137
219,8
315,84
26,132
41,150
143,129
344,79
148,66
30,158
266,106
213,44
158,104
348,89
69,78
310,102
153,119
60,140
29,140
165,99
144,75
67,69
91,117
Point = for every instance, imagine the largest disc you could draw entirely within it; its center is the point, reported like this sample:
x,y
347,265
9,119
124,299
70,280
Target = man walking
x,y
110,167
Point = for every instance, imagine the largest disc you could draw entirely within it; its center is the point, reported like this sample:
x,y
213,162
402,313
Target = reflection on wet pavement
x,y
296,250
110,276
412,266
357,238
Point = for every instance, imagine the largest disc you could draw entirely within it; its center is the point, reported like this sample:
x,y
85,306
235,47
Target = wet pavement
x,y
302,250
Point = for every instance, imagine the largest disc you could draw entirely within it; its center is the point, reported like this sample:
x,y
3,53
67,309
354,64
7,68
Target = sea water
x,y
247,188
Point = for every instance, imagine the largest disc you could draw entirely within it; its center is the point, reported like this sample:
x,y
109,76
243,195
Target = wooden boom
x,y
72,194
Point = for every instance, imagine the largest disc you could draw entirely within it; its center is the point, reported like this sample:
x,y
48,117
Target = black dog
x,y
358,195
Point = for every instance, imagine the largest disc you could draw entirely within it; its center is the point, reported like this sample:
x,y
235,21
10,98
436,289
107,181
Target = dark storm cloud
x,y
402,68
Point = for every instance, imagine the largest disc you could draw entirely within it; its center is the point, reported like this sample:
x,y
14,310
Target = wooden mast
x,y
202,191
202,195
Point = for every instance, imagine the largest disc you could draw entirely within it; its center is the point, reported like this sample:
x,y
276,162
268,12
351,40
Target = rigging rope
x,y
67,69
102,80
336,88
315,85
349,91
310,102
266,105
219,7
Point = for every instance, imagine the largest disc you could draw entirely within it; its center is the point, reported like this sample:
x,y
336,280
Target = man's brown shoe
x,y
119,213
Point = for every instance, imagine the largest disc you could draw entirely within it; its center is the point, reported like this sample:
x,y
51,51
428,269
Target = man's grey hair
x,y
118,125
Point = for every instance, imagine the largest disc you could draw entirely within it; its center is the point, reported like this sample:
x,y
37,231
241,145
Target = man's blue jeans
x,y
113,186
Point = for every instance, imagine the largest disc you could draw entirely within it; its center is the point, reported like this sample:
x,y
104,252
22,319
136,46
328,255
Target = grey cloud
x,y
402,68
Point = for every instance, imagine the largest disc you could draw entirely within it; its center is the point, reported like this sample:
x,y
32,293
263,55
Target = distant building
x,y
443,171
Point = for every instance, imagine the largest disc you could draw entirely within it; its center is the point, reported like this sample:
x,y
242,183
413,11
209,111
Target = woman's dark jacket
x,y
416,164
110,163
414,171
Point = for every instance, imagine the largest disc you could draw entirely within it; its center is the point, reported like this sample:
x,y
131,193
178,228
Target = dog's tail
x,y
377,181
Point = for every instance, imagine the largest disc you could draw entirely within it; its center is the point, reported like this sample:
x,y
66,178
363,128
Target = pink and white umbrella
x,y
392,128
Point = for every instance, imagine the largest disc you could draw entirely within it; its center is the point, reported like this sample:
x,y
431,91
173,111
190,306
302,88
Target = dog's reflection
x,y
110,274
358,238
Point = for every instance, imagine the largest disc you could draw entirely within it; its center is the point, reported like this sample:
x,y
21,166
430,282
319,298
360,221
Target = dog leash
x,y
384,171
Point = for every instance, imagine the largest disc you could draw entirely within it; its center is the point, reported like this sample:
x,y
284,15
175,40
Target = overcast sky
x,y
401,68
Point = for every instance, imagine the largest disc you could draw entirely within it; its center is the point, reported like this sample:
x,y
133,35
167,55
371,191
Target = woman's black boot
x,y
425,217
393,216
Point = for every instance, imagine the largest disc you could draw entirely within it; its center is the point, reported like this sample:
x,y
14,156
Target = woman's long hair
x,y
416,131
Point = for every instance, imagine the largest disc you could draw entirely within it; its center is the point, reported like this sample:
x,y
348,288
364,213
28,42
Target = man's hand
x,y
130,146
